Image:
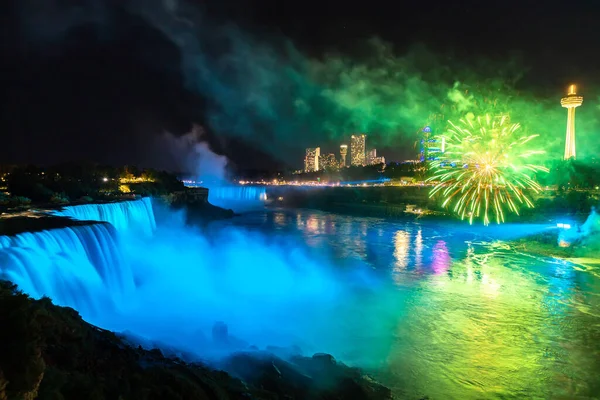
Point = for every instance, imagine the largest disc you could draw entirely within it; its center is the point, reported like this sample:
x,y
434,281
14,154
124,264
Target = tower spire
x,y
571,102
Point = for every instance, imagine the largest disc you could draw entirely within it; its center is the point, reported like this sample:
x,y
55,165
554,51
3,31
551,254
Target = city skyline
x,y
360,155
432,144
336,78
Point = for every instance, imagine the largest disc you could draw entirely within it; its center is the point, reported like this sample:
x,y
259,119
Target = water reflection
x,y
279,218
462,318
419,249
401,250
441,258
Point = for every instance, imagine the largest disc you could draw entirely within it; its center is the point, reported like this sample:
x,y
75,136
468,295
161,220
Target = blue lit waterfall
x,y
238,198
80,266
125,216
74,266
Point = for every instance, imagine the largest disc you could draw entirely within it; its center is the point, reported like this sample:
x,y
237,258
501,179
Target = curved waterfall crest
x,y
124,216
237,193
77,264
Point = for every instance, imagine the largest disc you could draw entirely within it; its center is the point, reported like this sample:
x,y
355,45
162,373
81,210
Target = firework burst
x,y
486,169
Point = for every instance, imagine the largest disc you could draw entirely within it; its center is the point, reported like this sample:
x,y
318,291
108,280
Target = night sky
x,y
102,80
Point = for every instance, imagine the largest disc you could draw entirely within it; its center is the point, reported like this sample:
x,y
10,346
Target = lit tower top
x,y
343,152
571,102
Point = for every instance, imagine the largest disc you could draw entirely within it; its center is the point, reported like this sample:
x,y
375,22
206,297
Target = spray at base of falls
x,y
173,285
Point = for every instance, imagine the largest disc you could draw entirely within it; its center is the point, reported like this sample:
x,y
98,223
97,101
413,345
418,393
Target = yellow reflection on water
x,y
484,331
419,249
401,250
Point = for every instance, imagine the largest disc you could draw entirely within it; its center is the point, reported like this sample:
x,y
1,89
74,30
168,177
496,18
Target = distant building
x,y
357,150
311,161
431,149
571,102
329,162
343,152
371,156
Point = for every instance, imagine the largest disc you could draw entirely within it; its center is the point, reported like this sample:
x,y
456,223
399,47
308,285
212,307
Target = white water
x,y
127,216
74,266
237,198
174,283
79,266
430,303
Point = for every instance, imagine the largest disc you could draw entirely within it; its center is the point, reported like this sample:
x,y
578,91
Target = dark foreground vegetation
x,y
49,352
68,183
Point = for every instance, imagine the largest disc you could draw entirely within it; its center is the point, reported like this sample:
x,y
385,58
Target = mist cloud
x,y
193,156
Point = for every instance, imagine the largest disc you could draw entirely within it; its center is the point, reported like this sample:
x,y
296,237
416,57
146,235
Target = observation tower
x,y
343,152
571,102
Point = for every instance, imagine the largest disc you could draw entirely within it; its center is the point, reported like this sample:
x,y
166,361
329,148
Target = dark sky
x,y
99,80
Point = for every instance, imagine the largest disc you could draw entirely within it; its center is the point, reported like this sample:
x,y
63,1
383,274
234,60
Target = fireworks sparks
x,y
486,169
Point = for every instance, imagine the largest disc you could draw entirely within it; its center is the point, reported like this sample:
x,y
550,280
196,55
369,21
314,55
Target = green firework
x,y
493,168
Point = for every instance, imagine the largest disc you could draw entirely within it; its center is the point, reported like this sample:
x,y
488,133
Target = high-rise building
x,y
357,150
371,156
431,148
328,162
343,152
311,161
571,102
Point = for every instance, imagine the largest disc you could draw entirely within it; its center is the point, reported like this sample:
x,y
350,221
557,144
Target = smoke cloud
x,y
193,156
270,93
263,90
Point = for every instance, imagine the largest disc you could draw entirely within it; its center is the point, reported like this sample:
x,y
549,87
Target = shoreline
x,y
252,373
263,373
56,354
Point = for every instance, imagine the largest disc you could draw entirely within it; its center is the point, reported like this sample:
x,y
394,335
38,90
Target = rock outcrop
x,y
49,352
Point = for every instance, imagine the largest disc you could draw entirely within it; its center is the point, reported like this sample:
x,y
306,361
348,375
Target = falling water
x,y
238,193
238,198
71,265
125,216
440,309
79,266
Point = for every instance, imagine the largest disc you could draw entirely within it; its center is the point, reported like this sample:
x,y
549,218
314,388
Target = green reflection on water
x,y
498,325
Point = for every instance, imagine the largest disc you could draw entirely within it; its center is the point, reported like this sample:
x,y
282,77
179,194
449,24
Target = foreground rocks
x,y
316,377
198,210
49,352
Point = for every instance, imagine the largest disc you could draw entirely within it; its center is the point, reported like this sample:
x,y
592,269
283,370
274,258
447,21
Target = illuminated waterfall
x,y
125,216
238,193
238,198
74,266
78,266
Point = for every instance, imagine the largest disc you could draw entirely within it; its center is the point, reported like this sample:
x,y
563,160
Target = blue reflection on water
x,y
469,317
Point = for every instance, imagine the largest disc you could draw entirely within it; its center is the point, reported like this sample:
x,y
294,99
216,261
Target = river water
x,y
456,313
